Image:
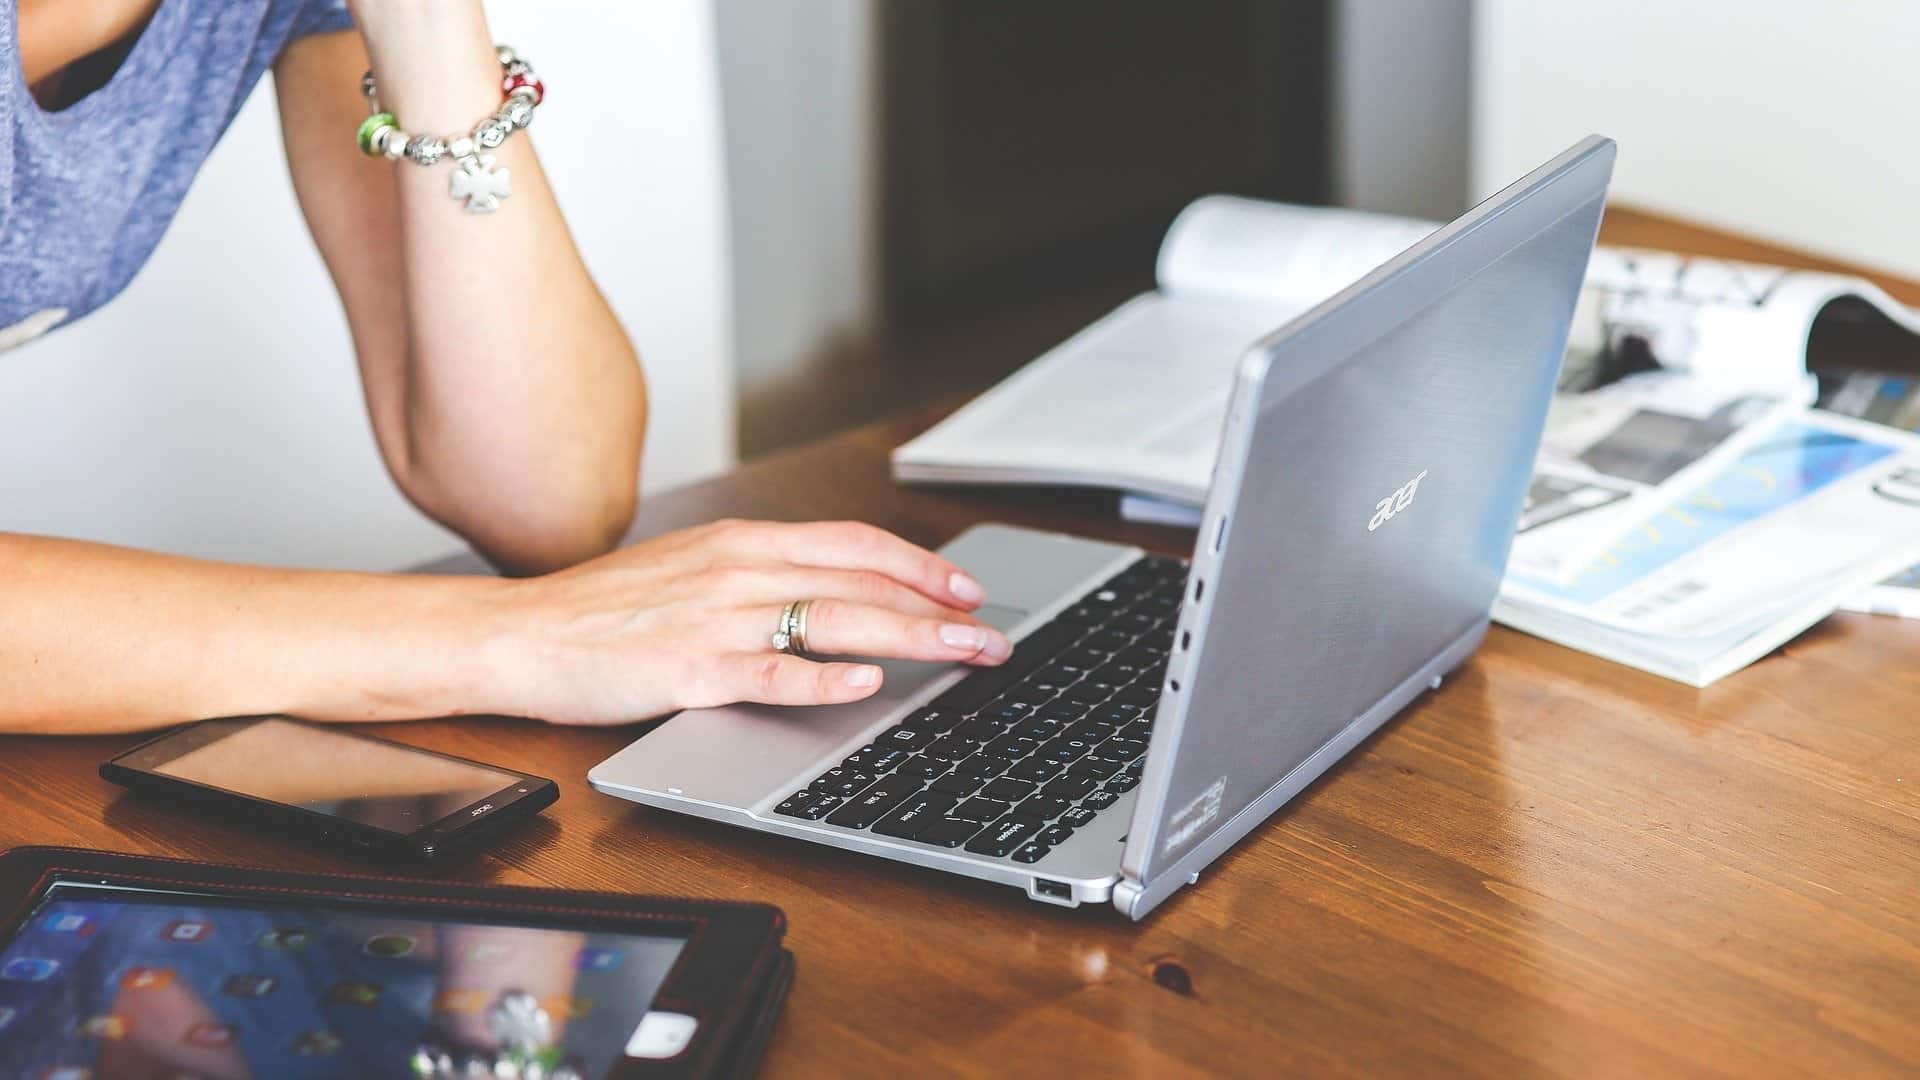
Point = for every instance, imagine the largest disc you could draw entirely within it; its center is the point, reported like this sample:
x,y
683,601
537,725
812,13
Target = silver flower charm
x,y
483,186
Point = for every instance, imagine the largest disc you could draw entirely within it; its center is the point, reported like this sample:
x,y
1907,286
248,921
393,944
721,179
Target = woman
x,y
506,401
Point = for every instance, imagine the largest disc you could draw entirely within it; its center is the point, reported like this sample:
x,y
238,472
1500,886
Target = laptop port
x,y
1052,890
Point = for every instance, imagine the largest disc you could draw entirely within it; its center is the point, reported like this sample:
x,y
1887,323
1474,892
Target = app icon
x,y
565,1008
67,923
209,1036
6,1016
290,940
67,1072
188,930
598,959
388,946
462,1002
249,986
146,978
489,952
354,993
316,1044
29,969
104,1027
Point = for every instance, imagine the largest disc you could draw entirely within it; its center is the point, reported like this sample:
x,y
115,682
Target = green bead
x,y
371,125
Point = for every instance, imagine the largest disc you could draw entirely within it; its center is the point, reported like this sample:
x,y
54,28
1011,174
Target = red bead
x,y
514,82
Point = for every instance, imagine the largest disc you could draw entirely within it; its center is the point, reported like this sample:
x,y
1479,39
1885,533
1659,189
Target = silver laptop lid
x,y
1373,467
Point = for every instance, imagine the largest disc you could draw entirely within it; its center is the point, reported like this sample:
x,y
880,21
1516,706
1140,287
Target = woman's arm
x,y
100,639
506,399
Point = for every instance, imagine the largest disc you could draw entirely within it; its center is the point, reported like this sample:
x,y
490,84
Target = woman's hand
x,y
686,620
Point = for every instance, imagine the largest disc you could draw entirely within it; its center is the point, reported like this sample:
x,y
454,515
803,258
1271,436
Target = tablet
x,y
117,965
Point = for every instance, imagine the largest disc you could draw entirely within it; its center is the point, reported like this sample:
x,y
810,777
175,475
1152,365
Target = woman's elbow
x,y
558,533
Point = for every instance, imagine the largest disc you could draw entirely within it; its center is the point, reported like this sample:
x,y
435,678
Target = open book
x,y
1676,370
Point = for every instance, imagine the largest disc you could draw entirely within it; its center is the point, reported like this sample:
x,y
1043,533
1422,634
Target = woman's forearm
x,y
99,639
516,407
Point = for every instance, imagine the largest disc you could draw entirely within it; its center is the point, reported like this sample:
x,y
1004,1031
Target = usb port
x,y
1057,890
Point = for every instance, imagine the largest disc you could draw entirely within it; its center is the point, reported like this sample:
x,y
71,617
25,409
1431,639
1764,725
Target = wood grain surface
x,y
1553,866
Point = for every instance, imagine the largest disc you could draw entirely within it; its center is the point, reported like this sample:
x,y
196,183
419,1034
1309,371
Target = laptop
x,y
1375,458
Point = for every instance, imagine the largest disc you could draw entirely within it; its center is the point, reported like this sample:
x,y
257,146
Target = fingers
x,y
778,679
849,545
844,628
756,585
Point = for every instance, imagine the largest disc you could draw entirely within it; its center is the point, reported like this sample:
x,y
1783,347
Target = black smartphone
x,y
369,795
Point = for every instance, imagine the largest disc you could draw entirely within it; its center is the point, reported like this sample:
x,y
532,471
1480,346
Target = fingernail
x,y
965,589
863,676
970,638
997,647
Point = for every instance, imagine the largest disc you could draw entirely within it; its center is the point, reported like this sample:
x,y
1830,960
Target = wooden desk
x,y
1554,865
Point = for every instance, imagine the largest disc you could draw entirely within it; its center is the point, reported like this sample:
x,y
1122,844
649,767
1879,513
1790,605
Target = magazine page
x,y
1893,399
1822,498
1228,247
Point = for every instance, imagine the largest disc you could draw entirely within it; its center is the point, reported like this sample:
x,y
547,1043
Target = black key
x,y
882,761
1054,674
1053,834
1030,852
1087,693
1138,767
1036,729
1095,770
1087,614
977,730
1061,712
861,758
1159,604
1003,836
931,720
842,781
978,809
1131,582
1075,817
1091,732
1145,657
1041,808
796,804
1118,751
1064,751
1136,622
956,785
1034,769
1007,789
1140,694
922,767
1100,800
1006,711
949,748
915,814
1126,781
1107,641
870,805
1163,566
1029,653
1079,661
903,738
948,832
821,807
1118,671
982,766
1113,712
1010,747
1069,786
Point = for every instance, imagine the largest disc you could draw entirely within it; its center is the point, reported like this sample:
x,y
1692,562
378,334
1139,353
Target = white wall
x,y
213,409
797,86
1401,105
1785,119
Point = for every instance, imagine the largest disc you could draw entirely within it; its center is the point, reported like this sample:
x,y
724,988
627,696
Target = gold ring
x,y
798,633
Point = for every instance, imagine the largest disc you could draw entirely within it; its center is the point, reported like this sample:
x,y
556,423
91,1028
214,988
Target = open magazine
x,y
1677,367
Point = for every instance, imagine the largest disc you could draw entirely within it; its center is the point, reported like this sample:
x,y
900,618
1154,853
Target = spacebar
x,y
1029,653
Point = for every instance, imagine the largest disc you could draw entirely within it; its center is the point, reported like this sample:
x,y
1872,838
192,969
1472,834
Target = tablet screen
x,y
104,982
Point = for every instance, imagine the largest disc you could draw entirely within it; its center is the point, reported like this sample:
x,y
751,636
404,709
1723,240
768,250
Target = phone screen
x,y
368,781
104,982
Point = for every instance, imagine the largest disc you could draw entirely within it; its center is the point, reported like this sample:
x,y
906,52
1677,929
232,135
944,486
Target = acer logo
x,y
481,809
1384,510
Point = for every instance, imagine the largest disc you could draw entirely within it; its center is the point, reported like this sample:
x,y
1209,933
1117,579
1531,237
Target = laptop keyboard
x,y
1011,760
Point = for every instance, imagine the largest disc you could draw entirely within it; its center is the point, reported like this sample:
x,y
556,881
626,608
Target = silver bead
x,y
461,147
518,111
426,150
519,67
396,144
507,55
377,144
367,84
491,132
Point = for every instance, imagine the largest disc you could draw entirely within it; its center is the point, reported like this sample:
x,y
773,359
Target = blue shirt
x,y
87,191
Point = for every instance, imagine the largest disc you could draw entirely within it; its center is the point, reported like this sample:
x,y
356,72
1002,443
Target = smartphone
x,y
368,795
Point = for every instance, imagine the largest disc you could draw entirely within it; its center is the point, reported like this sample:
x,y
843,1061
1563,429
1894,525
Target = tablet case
x,y
737,988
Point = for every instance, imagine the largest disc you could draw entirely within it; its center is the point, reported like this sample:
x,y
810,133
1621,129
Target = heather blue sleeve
x,y
320,17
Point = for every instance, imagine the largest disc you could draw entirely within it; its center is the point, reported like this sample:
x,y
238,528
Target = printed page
x,y
1228,247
